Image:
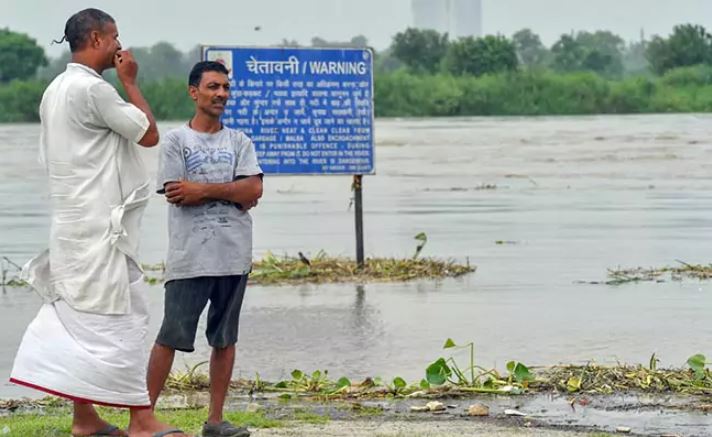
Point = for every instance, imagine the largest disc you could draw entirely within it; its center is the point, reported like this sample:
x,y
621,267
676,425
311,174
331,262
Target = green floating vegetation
x,y
640,274
448,377
321,268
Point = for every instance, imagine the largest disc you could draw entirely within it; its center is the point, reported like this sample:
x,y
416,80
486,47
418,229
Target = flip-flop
x,y
168,432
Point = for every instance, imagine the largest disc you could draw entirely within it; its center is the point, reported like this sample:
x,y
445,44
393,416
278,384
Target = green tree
x,y
478,56
20,56
634,60
193,56
604,52
421,50
159,61
358,42
567,54
169,98
55,66
289,43
600,52
530,50
385,62
20,100
688,45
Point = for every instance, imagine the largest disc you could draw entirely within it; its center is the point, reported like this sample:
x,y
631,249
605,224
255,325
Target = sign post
x,y
308,111
358,204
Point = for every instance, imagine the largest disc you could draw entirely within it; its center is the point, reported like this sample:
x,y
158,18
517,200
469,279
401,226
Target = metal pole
x,y
358,201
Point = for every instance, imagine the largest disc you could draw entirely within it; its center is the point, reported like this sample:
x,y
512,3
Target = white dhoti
x,y
88,341
95,358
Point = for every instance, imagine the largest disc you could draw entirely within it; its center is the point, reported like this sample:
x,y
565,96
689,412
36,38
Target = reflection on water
x,y
571,196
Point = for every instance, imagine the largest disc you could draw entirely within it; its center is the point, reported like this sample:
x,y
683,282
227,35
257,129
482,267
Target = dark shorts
x,y
186,299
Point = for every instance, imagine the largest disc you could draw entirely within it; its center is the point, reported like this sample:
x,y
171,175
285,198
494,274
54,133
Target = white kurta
x,y
98,189
88,340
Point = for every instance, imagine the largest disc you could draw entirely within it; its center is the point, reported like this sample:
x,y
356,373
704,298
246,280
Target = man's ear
x,y
95,39
193,92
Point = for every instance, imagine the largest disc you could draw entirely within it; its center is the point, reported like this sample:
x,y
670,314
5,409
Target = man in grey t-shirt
x,y
211,178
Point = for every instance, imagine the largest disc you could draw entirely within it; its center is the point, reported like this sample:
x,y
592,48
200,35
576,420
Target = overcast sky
x,y
187,23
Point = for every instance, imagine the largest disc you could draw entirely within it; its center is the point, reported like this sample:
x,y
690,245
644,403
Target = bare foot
x,y
87,422
144,424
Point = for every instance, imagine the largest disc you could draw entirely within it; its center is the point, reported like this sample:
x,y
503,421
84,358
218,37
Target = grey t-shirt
x,y
213,239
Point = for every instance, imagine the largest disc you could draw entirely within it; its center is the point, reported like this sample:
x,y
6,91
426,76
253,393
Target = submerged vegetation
x,y
285,270
684,271
676,273
321,268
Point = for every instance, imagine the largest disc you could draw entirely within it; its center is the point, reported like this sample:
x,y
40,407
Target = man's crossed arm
x,y
245,192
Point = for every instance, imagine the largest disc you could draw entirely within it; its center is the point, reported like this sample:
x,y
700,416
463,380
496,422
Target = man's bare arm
x,y
127,70
244,191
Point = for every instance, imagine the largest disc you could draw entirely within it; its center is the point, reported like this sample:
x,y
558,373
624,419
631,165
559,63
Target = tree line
x,y
601,52
424,73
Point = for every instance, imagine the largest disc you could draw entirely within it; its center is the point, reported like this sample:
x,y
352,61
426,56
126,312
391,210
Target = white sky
x,y
187,23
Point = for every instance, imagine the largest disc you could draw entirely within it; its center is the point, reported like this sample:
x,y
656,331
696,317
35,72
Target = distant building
x,y
458,18
465,18
431,14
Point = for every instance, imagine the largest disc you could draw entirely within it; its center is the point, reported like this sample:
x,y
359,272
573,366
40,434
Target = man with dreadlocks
x,y
87,343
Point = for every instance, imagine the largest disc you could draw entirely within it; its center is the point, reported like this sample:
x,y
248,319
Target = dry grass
x,y
320,269
597,379
640,274
325,269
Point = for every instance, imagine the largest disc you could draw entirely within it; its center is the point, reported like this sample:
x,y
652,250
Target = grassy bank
x,y
302,422
317,398
57,421
541,92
